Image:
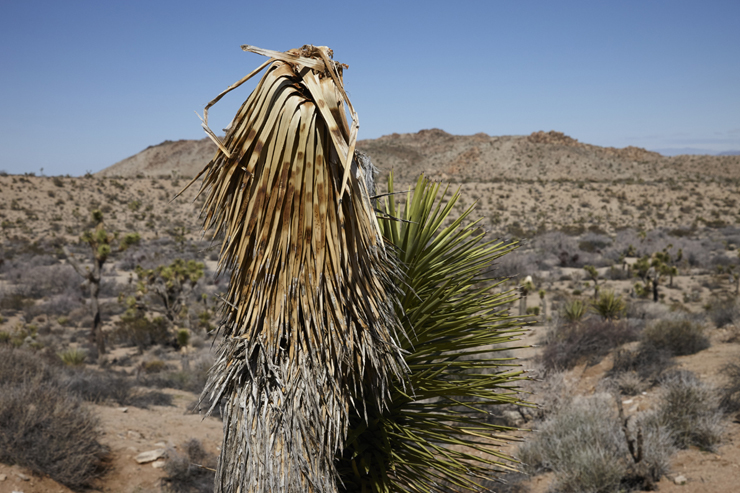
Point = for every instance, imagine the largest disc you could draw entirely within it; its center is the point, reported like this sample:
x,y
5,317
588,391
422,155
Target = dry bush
x,y
99,387
689,409
42,426
60,304
585,445
724,312
647,363
190,472
730,392
138,330
587,341
678,335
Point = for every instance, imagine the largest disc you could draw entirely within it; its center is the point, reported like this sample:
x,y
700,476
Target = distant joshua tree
x,y
100,242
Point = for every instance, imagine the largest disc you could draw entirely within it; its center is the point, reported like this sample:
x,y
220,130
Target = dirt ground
x,y
38,207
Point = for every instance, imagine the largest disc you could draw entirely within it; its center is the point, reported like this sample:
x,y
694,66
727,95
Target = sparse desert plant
x,y
153,366
73,356
171,284
190,471
136,328
183,337
609,306
680,336
724,312
568,345
689,409
584,444
647,362
574,310
103,387
42,426
730,391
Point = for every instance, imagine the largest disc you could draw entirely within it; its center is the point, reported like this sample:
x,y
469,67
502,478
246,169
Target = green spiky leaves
x,y
435,435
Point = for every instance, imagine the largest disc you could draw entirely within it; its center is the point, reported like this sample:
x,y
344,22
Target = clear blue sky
x,y
84,84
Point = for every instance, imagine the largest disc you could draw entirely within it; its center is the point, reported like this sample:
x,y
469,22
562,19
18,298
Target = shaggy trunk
x,y
96,335
309,321
543,308
93,278
655,290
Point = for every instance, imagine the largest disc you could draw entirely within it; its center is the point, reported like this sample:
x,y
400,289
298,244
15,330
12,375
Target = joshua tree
x,y
593,274
654,267
543,303
171,284
100,242
328,337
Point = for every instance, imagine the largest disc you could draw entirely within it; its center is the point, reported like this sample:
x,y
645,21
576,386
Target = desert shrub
x,y
679,336
73,356
192,379
138,330
724,312
616,273
629,383
690,410
21,366
183,337
584,444
100,388
589,341
46,280
42,426
153,366
730,391
57,305
574,310
608,305
647,362
14,300
191,471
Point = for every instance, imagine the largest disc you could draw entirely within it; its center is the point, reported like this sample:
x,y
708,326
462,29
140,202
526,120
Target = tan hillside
x,y
185,157
465,158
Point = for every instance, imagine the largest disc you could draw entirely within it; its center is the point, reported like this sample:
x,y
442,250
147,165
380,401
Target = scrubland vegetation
x,y
634,290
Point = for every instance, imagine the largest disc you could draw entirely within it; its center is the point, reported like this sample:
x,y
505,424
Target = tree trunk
x,y
522,305
543,308
655,290
96,335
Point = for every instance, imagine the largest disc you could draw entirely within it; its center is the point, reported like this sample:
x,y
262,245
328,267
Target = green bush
x,y
609,306
183,337
73,356
137,329
574,310
679,336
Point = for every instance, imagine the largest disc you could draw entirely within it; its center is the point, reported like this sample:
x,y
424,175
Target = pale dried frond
x,y
309,321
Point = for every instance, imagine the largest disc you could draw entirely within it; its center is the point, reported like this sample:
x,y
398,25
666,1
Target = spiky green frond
x,y
435,436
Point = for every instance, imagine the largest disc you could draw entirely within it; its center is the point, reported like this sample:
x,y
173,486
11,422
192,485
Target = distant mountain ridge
x,y
541,155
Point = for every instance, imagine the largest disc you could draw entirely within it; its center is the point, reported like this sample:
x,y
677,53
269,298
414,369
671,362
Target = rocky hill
x,y
468,158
